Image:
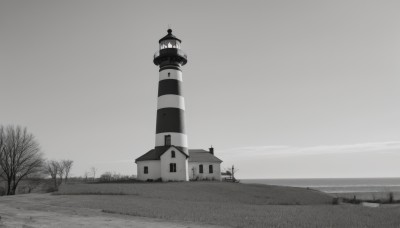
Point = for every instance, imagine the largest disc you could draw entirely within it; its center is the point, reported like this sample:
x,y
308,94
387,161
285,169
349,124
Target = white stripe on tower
x,y
171,101
171,74
176,139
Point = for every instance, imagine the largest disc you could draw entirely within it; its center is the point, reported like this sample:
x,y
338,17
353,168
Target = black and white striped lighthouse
x,y
170,127
171,160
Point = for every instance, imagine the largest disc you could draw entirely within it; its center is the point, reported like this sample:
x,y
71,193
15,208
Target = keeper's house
x,y
169,163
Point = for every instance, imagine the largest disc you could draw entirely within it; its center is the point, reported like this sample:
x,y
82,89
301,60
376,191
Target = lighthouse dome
x,y
170,41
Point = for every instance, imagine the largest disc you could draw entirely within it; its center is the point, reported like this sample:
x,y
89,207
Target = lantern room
x,y
170,52
170,41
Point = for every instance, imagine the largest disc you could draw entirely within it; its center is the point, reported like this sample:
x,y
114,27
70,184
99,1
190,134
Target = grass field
x,y
228,204
206,192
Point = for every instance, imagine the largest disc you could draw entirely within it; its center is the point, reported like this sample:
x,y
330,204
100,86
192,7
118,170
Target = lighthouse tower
x,y
170,127
171,160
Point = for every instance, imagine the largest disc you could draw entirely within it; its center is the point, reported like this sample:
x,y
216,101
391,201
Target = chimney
x,y
211,150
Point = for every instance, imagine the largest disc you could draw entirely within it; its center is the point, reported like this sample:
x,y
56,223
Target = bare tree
x,y
67,168
60,171
93,171
86,176
1,169
106,177
20,156
51,168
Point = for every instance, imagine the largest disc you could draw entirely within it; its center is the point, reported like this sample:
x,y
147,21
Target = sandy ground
x,y
34,210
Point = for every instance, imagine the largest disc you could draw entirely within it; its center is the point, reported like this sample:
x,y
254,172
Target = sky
x,y
280,89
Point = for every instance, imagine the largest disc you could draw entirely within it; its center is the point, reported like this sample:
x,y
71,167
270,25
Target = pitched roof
x,y
169,36
195,155
200,155
155,154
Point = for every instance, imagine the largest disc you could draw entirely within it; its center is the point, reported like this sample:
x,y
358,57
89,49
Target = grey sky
x,y
302,75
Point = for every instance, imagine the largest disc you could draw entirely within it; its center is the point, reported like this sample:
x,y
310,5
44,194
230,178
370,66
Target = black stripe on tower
x,y
169,86
170,120
169,67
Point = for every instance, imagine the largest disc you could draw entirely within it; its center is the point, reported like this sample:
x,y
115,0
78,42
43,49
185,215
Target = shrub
x,y
391,200
335,201
51,189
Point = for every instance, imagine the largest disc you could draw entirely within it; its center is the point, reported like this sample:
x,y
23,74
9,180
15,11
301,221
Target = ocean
x,y
336,185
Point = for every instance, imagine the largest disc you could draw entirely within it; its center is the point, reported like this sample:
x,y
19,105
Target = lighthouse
x,y
170,126
171,159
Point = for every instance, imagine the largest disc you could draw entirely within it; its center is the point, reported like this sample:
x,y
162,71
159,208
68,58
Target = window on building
x,y
169,74
200,168
172,167
210,169
168,140
146,170
172,154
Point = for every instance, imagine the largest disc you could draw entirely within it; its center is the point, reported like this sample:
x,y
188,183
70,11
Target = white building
x,y
171,164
